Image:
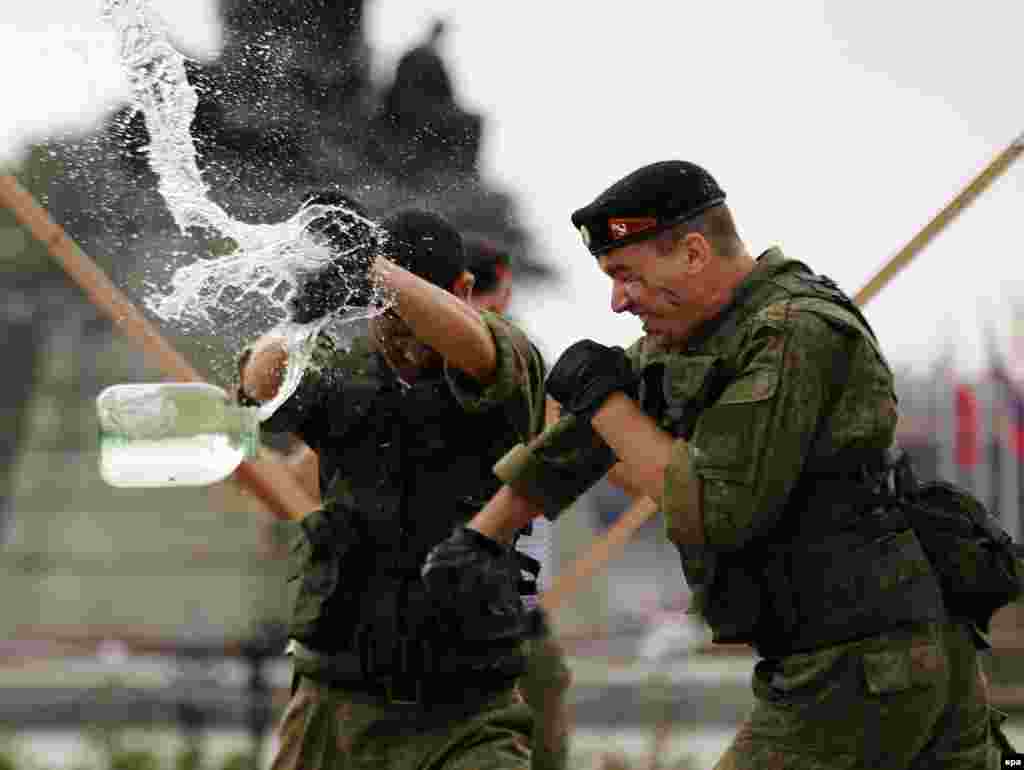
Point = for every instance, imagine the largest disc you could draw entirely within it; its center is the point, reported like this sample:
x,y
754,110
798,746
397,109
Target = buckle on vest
x,y
405,687
367,653
404,691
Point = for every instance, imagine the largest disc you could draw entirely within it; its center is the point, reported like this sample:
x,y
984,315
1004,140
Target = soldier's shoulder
x,y
505,329
809,326
807,314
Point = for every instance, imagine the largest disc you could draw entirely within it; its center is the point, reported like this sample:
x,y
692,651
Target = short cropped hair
x,y
716,225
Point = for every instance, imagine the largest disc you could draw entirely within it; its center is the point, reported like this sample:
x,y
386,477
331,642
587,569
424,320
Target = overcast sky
x,y
837,130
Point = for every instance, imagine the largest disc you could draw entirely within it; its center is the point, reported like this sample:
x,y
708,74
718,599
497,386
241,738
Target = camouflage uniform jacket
x,y
400,467
778,387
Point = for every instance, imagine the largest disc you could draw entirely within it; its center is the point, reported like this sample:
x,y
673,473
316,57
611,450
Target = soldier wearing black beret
x,y
759,411
645,203
407,421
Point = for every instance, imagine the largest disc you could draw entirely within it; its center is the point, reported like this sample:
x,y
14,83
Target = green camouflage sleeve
x,y
558,466
562,463
518,384
749,447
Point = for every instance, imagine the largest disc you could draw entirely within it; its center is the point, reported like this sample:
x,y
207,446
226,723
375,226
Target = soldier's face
x,y
405,354
661,289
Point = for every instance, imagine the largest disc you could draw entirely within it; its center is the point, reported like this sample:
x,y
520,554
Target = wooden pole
x,y
602,551
995,169
608,546
268,481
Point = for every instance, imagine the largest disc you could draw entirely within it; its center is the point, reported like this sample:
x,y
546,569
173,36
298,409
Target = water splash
x,y
266,262
161,91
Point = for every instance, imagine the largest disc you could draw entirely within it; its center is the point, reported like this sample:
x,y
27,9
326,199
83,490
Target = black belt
x,y
448,678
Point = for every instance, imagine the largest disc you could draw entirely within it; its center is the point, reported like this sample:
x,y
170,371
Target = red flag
x,y
967,454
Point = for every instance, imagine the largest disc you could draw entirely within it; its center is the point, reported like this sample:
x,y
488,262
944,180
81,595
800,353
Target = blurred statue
x,y
420,128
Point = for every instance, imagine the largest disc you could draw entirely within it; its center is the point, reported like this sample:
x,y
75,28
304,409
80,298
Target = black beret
x,y
425,244
648,201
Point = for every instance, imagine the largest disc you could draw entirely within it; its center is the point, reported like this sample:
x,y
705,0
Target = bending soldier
x,y
757,409
407,425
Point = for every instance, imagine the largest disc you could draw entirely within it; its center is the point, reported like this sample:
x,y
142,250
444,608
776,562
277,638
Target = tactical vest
x,y
402,467
840,565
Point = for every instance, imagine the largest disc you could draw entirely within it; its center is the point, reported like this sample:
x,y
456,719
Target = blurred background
x,y
143,628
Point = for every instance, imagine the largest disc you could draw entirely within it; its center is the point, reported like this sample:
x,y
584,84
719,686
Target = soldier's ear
x,y
697,252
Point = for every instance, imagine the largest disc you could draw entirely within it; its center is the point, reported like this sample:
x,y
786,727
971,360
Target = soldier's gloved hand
x,y
328,290
586,374
474,581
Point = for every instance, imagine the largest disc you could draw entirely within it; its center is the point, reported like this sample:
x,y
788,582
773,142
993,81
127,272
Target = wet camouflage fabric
x,y
471,738
896,701
407,465
542,687
745,394
326,728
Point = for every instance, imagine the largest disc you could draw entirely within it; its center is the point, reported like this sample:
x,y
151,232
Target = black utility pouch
x,y
318,554
974,559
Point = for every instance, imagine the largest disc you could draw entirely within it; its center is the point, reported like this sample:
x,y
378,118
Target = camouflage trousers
x,y
900,701
330,728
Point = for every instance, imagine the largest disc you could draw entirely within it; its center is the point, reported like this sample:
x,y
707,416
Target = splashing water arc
x,y
270,259
161,91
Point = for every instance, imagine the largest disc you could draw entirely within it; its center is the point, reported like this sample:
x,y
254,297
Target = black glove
x,y
586,374
474,581
329,290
